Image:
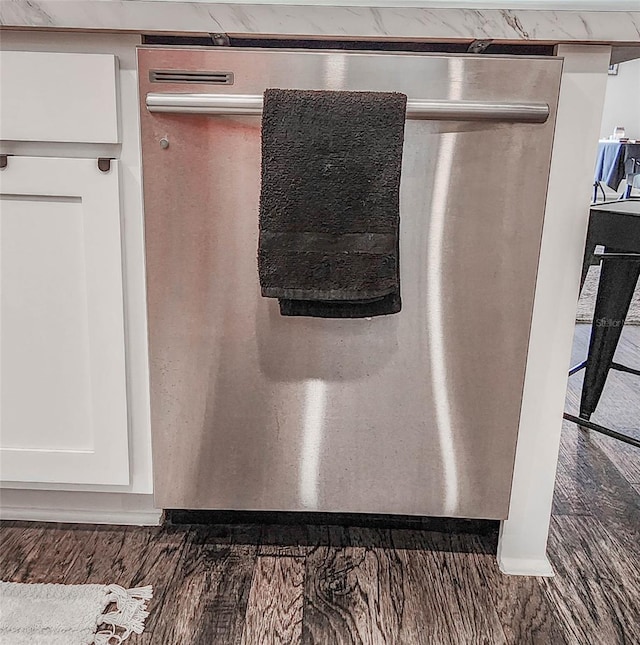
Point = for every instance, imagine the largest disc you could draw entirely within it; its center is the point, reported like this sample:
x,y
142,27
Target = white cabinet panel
x,y
58,97
63,393
44,317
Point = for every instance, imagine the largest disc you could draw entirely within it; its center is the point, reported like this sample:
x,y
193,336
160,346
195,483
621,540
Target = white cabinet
x,y
63,387
75,430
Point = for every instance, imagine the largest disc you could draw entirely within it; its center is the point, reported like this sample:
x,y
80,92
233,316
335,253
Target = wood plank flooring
x,y
377,585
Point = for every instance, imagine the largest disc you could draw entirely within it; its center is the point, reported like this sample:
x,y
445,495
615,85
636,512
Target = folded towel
x,y
329,202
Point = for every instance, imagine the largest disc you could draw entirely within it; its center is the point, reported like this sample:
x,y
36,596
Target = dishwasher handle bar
x,y
431,109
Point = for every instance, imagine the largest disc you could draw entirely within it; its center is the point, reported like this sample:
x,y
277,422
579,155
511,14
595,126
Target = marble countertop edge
x,y
287,20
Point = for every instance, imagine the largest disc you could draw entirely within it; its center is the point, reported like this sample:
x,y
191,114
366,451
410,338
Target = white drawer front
x,y
58,97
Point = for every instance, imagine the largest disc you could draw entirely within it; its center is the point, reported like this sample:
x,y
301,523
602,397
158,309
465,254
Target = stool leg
x,y
618,278
589,249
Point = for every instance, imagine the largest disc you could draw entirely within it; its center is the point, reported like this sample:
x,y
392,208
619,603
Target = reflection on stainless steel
x,y
314,411
335,73
414,413
449,110
436,332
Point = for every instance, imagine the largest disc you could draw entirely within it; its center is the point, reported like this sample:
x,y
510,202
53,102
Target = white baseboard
x,y
81,517
78,507
526,567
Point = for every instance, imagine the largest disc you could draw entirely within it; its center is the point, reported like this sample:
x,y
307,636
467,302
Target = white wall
x,y
622,101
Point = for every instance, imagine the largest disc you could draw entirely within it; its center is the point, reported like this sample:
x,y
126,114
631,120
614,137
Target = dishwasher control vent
x,y
190,76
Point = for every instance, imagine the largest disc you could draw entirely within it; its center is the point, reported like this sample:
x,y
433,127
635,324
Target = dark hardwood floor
x,y
264,584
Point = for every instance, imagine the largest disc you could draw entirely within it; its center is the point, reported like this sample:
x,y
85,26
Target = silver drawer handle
x,y
443,110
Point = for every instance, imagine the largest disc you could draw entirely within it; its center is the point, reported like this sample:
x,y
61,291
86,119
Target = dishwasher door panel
x,y
414,413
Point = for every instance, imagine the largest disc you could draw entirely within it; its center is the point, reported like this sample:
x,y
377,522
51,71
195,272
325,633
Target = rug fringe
x,y
130,614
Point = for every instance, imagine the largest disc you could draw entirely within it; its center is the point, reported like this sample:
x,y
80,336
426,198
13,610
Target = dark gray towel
x,y
329,203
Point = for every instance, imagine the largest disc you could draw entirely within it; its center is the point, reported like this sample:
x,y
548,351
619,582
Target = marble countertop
x,y
377,19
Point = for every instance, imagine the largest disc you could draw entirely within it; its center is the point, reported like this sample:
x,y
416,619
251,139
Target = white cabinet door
x,y
63,408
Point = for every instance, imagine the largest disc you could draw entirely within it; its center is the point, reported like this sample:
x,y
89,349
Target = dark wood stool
x,y
616,226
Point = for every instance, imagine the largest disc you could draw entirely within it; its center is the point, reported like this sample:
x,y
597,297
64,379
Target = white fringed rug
x,y
52,614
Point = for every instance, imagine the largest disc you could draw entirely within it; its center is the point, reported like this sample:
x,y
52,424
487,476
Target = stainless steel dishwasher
x,y
414,413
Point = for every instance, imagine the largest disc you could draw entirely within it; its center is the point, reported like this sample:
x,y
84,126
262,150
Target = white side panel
x,y
63,415
58,97
523,537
